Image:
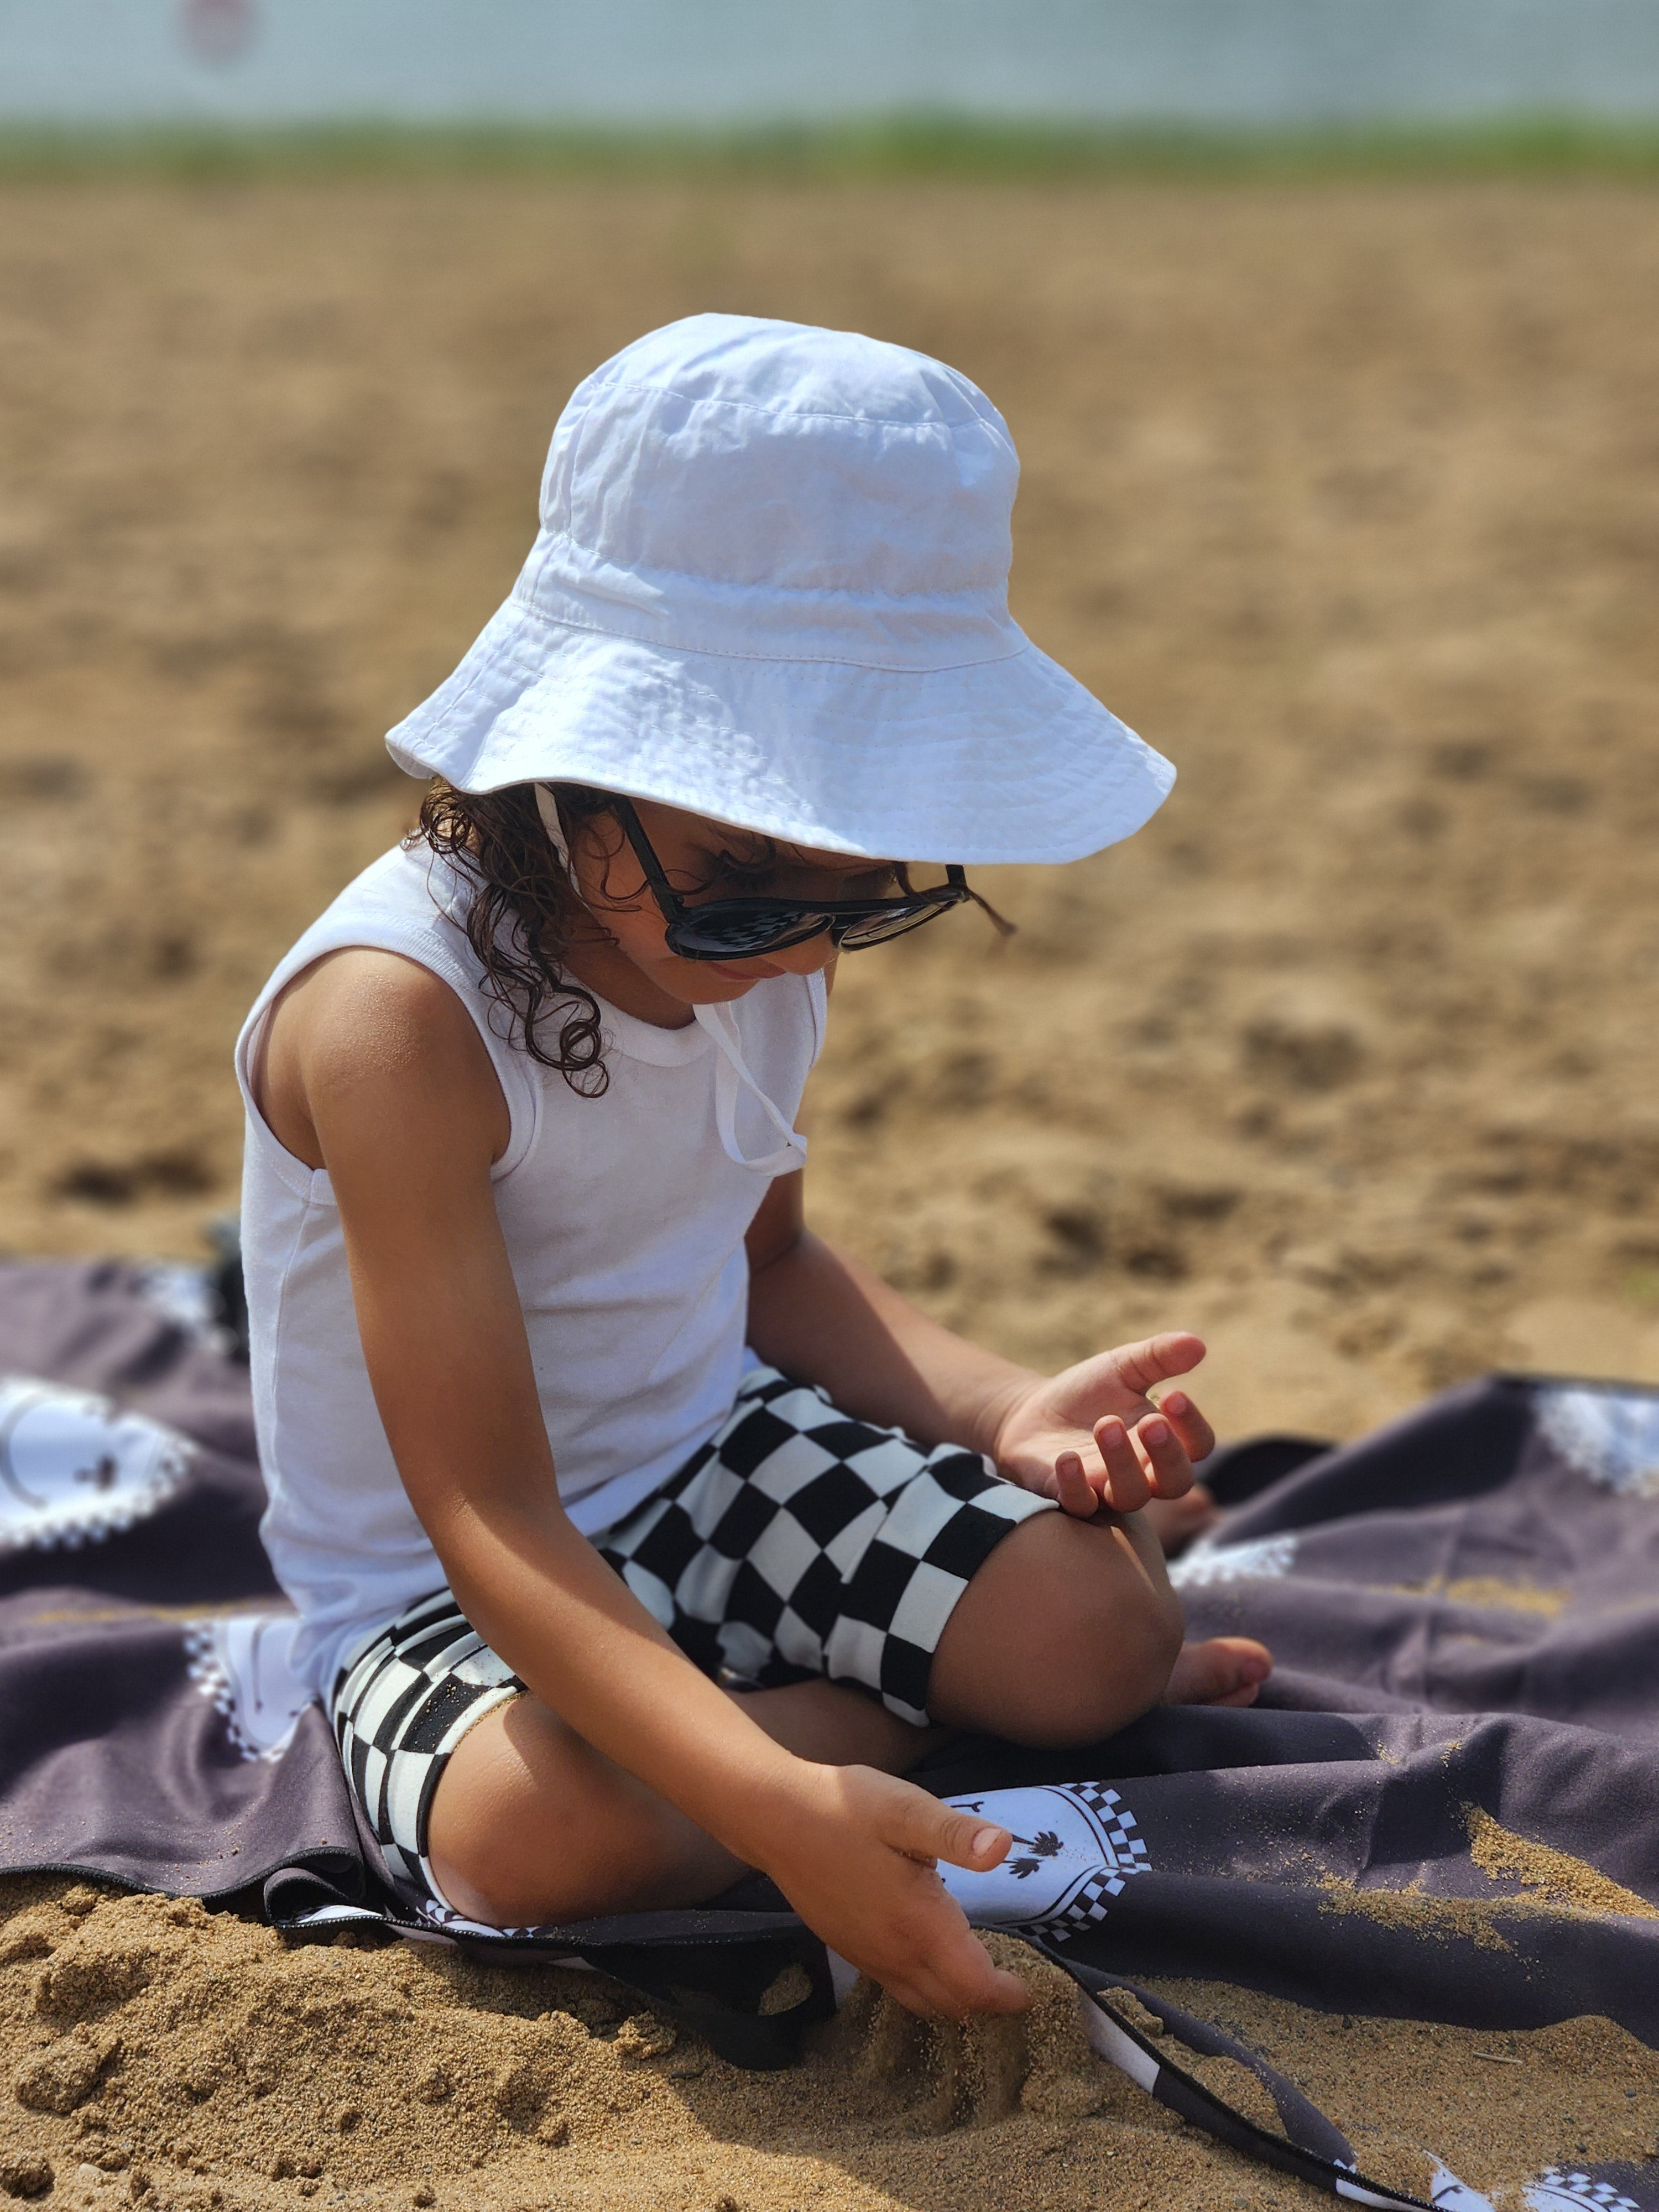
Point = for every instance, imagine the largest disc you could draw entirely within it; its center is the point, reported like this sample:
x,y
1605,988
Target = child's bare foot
x,y
1226,1670
1177,1520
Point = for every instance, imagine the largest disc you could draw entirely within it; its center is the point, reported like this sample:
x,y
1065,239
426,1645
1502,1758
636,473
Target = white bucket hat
x,y
771,587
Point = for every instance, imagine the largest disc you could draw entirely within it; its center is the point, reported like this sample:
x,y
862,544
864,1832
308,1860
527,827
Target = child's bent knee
x,y
1061,1648
531,1826
514,1836
513,1873
1120,1664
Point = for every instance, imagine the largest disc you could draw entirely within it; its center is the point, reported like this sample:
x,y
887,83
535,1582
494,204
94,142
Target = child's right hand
x,y
853,1851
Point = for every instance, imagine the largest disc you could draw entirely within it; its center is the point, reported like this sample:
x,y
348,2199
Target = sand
x,y
1342,495
160,2056
1553,1877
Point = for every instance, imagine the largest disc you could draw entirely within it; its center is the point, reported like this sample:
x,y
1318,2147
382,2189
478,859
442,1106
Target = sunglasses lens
x,y
712,935
878,928
727,930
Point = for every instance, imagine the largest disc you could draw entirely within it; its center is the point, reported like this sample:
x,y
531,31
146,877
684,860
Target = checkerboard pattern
x,y
1555,2188
796,1543
1121,1854
399,1710
799,1542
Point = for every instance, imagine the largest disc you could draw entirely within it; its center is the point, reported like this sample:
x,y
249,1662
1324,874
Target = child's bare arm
x,y
374,1071
1087,1437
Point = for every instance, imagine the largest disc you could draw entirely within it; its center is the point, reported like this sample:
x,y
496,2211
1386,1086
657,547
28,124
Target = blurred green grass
x,y
898,147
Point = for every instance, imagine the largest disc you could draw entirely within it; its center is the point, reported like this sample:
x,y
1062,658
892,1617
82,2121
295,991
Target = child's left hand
x,y
1090,1437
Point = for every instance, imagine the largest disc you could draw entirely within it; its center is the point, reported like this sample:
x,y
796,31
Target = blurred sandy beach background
x,y
1339,489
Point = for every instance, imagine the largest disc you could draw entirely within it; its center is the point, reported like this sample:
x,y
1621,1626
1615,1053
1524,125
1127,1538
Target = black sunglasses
x,y
741,928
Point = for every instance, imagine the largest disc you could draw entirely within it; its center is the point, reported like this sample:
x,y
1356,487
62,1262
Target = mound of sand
x,y
160,2056
1341,496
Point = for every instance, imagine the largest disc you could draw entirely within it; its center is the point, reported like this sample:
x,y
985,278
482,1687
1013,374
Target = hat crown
x,y
774,457
771,587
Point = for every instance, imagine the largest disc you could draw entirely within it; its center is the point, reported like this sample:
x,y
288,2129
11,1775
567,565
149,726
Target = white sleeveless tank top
x,y
624,1218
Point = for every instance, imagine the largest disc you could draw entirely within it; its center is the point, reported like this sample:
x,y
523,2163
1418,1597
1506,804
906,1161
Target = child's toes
x,y
1177,1520
1226,1670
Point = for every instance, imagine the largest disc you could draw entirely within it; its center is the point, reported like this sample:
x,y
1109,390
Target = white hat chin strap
x,y
731,1072
732,1077
547,807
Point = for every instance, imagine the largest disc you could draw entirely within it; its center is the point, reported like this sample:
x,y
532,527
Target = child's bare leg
x,y
1069,1631
531,1824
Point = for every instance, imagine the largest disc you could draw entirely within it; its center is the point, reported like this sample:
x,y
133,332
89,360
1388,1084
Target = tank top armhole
x,y
817,1001
519,1090
288,1168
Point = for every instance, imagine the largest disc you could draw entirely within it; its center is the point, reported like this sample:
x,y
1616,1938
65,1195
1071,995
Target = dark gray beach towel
x,y
1465,1608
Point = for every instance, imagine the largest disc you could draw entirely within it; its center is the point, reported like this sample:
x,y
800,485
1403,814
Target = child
x,y
638,1538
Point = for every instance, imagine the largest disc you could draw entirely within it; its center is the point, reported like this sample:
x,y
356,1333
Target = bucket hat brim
x,y
1000,760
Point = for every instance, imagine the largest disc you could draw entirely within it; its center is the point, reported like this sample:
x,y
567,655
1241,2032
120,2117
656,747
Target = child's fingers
x,y
1143,1366
923,1827
967,1980
959,1980
1197,1436
1126,1478
948,1971
1167,1466
1073,1492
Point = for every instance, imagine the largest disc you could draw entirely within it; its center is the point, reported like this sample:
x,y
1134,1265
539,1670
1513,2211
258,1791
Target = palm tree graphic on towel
x,y
1046,1845
1075,1844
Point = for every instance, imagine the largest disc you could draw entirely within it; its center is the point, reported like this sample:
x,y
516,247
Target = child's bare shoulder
x,y
351,1007
361,1020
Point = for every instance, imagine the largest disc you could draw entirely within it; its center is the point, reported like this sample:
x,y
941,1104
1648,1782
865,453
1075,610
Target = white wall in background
x,y
726,61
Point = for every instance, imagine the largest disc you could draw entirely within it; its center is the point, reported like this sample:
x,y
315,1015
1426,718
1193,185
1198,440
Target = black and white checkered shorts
x,y
796,1543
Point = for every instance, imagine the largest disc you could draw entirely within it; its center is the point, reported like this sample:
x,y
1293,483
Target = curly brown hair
x,y
524,917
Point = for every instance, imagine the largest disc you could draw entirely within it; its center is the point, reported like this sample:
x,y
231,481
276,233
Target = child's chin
x,y
715,984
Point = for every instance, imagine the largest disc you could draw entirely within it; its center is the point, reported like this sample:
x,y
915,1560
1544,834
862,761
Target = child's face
x,y
704,860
